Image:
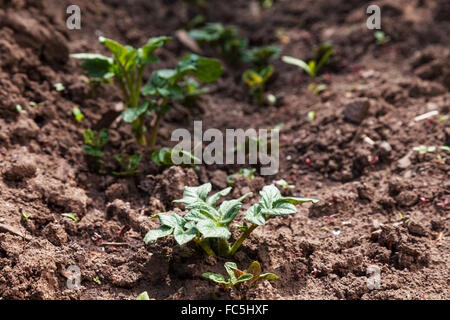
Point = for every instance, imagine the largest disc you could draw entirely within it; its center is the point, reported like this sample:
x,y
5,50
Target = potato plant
x,y
127,68
163,157
248,277
208,225
313,66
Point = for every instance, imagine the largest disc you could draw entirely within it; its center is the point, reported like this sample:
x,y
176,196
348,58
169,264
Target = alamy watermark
x,y
236,146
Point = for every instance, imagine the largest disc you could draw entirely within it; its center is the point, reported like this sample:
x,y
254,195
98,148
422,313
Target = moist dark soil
x,y
381,203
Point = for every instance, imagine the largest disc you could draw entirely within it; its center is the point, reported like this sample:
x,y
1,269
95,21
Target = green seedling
x,y
256,81
260,57
381,38
70,216
225,39
237,277
169,85
35,104
312,67
127,67
59,87
192,90
248,173
128,164
312,115
79,116
95,141
143,296
97,280
164,157
208,225
284,184
25,215
19,109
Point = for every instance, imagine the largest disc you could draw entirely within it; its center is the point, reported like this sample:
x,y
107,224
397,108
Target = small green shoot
x,y
128,165
19,109
225,39
312,115
97,280
284,184
25,215
59,87
143,296
79,116
256,80
312,67
248,173
95,141
381,38
165,156
70,216
237,277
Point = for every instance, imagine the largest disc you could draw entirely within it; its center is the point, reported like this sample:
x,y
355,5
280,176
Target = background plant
x,y
313,66
127,67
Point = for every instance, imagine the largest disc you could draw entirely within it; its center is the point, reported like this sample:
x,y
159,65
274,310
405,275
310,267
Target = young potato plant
x,y
256,80
163,157
127,67
225,39
128,165
248,173
236,277
94,141
261,71
312,67
208,225
166,86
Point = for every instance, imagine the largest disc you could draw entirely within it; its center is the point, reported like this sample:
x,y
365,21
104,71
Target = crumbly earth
x,y
381,203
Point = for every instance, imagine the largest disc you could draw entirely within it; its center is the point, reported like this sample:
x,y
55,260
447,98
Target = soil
x,y
381,203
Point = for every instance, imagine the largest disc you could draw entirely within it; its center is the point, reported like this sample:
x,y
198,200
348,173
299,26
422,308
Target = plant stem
x,y
241,239
205,247
155,130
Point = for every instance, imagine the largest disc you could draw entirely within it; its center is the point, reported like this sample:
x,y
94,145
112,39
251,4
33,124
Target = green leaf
x,y
209,229
92,151
195,215
228,210
192,194
296,200
79,116
146,53
205,209
182,237
296,62
98,68
280,208
230,267
204,69
173,220
131,114
255,216
116,48
143,296
245,277
268,276
268,195
215,277
154,235
215,197
70,216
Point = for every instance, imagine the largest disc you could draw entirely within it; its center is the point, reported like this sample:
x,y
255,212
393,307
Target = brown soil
x,y
323,251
